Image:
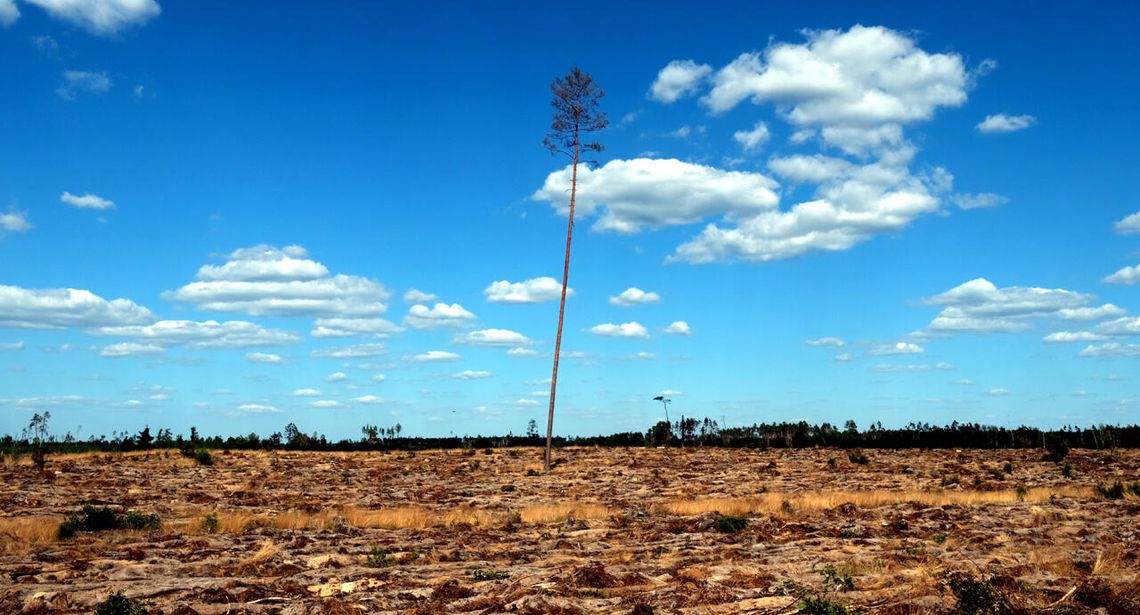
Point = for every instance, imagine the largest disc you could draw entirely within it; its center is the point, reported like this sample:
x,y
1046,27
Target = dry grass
x,y
548,513
24,534
785,504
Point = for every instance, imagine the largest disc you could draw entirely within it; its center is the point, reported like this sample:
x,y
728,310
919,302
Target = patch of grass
x,y
118,604
950,479
821,605
489,574
1117,490
730,524
103,518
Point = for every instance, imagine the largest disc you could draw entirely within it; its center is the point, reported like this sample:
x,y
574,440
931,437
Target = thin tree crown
x,y
576,101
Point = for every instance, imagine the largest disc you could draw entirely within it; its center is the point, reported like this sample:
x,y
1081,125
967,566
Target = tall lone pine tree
x,y
575,102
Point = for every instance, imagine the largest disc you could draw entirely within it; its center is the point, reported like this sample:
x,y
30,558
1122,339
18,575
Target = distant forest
x,y
686,432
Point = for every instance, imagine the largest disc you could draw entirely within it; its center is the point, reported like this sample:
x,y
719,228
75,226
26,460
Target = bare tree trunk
x,y
561,307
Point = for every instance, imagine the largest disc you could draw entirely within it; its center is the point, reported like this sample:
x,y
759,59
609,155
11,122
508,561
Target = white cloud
x,y
625,329
892,368
493,337
679,78
865,76
814,169
379,378
998,392
8,12
57,308
306,393
262,357
526,402
976,201
843,357
351,327
642,356
208,334
896,348
87,201
1111,349
101,17
76,82
827,342
1130,225
470,374
1005,123
435,356
325,403
268,281
336,377
1121,326
350,352
369,400
534,290
1107,310
752,140
966,382
681,132
1062,337
522,352
678,327
439,315
258,409
1127,275
978,306
414,295
14,221
130,349
11,346
634,296
651,192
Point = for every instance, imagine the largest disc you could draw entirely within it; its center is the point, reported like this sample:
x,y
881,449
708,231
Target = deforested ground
x,y
609,530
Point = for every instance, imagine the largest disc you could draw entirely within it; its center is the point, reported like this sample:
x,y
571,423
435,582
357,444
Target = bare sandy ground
x,y
608,531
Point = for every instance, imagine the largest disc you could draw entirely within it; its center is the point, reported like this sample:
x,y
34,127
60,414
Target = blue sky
x,y
222,215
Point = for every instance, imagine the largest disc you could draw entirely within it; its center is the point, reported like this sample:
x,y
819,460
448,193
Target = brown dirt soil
x,y
607,531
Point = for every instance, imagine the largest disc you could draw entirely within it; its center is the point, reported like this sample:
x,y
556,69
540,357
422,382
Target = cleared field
x,y
608,531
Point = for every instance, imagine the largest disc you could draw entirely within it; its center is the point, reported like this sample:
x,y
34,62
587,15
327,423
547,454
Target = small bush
x,y
1116,490
857,456
210,523
821,605
730,524
1022,493
1008,467
1067,470
976,596
831,463
201,455
1056,450
118,604
379,558
102,518
950,479
489,574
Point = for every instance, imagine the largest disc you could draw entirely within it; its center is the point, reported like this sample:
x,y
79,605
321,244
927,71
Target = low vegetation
x,y
102,518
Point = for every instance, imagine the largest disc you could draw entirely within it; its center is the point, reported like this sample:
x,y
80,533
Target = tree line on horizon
x,y
37,440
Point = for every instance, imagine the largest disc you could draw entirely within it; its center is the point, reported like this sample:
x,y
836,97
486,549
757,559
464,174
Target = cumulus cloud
x,y
998,392
1126,275
679,78
1110,350
526,402
641,356
87,201
1005,123
439,315
1063,337
522,352
814,169
325,403
131,349
625,329
470,374
208,334
76,82
351,327
896,348
268,281
1129,325
634,296
8,12
978,306
258,409
534,290
436,356
678,327
101,17
11,346
650,192
414,295
827,342
493,337
863,76
752,140
977,201
1130,225
350,352
306,393
336,377
57,308
14,221
263,357
843,357
369,400
1100,312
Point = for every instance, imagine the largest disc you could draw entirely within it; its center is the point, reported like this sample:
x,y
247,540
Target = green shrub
x,y
821,605
210,523
489,574
1008,467
102,518
1067,470
857,456
379,558
118,604
1116,490
976,596
730,524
